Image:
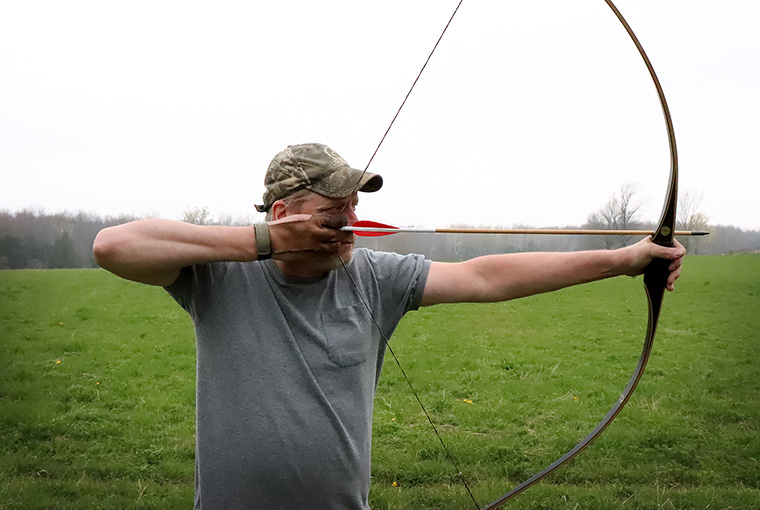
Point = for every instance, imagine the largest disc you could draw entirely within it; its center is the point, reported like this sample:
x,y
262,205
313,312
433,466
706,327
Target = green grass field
x,y
97,396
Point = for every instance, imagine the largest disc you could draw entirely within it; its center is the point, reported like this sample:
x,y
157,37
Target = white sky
x,y
531,112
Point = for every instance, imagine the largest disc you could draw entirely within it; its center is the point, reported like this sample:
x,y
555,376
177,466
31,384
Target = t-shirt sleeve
x,y
401,279
192,286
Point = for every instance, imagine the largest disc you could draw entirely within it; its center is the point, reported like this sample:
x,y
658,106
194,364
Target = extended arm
x,y
503,277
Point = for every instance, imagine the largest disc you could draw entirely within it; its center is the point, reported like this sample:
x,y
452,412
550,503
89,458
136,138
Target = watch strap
x,y
263,242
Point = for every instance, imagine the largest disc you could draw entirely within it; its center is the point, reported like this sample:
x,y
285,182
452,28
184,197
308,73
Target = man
x,y
290,321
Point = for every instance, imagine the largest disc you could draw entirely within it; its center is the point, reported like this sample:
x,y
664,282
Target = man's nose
x,y
351,215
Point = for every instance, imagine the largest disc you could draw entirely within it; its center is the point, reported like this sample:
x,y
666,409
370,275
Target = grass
x,y
97,396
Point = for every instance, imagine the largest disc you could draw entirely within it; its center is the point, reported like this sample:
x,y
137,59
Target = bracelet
x,y
263,243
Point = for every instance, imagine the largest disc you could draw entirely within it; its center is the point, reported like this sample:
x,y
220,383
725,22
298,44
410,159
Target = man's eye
x,y
340,209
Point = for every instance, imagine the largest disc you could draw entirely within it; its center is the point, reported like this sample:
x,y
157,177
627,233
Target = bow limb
x,y
655,280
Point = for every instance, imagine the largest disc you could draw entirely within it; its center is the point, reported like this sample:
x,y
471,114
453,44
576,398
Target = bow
x,y
655,279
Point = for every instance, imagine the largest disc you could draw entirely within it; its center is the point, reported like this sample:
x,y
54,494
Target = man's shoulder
x,y
376,256
388,262
397,278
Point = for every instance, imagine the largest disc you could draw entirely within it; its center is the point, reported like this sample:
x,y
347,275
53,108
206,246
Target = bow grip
x,y
656,274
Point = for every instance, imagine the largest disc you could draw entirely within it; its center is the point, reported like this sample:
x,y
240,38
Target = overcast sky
x,y
531,112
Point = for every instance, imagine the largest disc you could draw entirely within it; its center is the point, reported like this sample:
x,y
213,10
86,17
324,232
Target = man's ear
x,y
279,210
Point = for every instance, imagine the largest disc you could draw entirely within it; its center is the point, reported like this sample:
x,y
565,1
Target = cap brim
x,y
345,181
370,182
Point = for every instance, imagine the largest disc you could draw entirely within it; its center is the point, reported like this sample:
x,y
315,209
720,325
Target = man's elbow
x,y
105,248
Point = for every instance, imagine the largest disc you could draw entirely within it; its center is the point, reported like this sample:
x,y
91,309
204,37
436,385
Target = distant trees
x,y
619,213
690,218
36,240
21,252
30,253
197,216
729,240
62,253
202,216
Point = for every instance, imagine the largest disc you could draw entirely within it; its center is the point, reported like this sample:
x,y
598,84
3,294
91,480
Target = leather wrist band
x,y
263,243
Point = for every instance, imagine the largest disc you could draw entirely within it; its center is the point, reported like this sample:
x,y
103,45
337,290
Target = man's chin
x,y
347,252
345,255
317,265
333,262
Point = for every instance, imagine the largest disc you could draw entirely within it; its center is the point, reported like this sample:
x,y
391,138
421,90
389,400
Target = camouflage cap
x,y
315,167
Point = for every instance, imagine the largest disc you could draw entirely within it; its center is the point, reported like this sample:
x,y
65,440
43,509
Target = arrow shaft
x,y
539,231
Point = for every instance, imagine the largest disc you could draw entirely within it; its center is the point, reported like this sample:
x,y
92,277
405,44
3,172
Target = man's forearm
x,y
517,275
154,251
502,277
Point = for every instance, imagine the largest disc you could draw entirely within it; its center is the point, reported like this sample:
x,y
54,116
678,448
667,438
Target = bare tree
x,y
689,218
225,219
619,213
197,216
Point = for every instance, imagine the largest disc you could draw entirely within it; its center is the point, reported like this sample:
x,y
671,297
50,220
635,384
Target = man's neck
x,y
301,268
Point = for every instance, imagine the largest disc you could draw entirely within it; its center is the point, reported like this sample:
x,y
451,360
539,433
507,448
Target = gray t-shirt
x,y
286,376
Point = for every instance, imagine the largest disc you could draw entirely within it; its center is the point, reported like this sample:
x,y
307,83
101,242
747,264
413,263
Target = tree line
x,y
32,239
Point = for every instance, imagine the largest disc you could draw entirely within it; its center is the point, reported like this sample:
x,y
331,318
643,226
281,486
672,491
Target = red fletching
x,y
372,224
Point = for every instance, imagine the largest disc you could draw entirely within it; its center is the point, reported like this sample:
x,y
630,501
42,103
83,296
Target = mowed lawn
x,y
97,396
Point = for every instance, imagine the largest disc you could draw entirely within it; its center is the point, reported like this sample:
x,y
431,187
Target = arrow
x,y
367,228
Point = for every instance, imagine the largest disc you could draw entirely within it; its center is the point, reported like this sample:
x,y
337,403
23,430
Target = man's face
x,y
314,203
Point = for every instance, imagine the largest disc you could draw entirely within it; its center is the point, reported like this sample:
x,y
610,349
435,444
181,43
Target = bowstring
x,y
386,340
446,450
422,69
